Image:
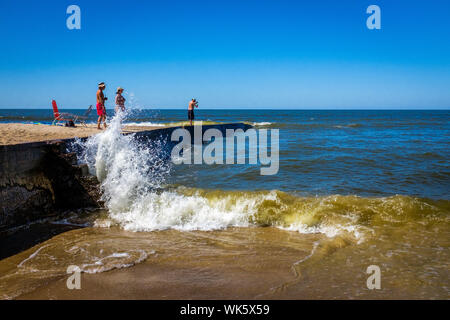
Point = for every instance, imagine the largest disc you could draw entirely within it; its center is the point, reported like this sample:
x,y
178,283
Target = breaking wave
x,y
133,176
126,169
196,209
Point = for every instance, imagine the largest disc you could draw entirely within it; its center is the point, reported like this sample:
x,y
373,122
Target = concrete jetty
x,y
40,179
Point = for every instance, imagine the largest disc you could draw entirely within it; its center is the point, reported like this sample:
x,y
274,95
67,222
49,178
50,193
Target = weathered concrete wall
x,y
24,190
39,180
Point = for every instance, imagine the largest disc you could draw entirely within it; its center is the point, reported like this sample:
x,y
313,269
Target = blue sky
x,y
227,54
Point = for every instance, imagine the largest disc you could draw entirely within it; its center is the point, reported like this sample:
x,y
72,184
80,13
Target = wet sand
x,y
14,133
192,265
237,263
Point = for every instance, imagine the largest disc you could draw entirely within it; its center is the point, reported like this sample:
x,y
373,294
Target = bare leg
x,y
104,121
98,122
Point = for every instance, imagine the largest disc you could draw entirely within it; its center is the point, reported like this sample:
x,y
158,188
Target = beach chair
x,y
82,119
64,116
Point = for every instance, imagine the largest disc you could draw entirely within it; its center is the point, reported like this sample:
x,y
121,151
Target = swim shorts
x,y
100,109
191,114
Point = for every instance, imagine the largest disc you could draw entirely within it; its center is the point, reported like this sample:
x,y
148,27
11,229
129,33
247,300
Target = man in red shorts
x,y
101,110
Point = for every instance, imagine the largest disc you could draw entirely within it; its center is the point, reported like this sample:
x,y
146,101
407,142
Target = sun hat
x,y
119,89
101,84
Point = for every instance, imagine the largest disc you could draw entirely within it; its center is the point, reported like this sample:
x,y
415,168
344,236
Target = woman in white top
x,y
120,100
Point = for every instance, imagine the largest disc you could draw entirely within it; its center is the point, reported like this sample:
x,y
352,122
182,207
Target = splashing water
x,y
126,169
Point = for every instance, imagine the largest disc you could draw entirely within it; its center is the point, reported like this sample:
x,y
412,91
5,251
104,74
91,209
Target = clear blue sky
x,y
237,54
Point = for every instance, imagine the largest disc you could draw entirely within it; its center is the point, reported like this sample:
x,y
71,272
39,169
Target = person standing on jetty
x,y
120,100
192,104
101,109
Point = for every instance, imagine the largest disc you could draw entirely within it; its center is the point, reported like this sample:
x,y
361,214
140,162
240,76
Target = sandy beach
x,y
14,133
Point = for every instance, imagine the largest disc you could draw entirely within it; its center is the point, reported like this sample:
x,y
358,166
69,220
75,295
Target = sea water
x,y
354,188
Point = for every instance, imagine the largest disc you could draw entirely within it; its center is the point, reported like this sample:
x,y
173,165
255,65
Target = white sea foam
x,y
171,209
256,124
33,255
117,260
330,231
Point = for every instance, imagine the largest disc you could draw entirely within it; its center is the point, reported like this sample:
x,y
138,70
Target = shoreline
x,y
234,263
169,272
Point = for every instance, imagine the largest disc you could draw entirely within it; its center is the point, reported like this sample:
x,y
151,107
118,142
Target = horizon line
x,y
248,108
269,109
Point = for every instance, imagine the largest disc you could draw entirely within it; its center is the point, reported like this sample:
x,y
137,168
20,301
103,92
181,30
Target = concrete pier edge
x,y
38,179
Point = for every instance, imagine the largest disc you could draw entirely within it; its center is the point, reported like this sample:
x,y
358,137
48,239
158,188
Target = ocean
x,y
355,188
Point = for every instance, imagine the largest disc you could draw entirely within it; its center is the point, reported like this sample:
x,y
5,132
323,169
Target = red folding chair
x,y
64,116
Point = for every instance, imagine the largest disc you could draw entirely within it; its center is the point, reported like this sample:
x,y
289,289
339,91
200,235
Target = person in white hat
x,y
120,100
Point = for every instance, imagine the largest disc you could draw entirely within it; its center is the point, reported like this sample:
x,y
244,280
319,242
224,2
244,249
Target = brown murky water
x,y
240,263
